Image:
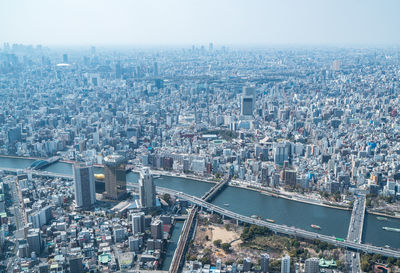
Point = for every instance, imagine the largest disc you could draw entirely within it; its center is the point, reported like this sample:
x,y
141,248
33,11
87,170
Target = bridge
x,y
208,196
354,233
183,239
41,163
283,229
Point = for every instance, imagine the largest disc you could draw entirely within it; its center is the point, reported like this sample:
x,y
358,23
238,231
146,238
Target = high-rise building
x,y
285,265
246,105
156,229
264,262
312,265
75,264
118,70
14,135
65,58
134,244
34,241
85,193
138,223
115,177
147,191
155,69
282,152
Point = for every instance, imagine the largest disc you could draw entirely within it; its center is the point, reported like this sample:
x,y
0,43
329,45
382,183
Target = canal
x,y
247,202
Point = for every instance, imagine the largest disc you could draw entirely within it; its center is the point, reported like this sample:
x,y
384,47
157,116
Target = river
x,y
247,202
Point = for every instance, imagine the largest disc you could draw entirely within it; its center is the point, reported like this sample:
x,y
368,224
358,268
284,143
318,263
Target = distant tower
x,y
246,106
147,190
118,70
336,65
155,69
210,47
285,266
247,101
115,177
65,58
85,194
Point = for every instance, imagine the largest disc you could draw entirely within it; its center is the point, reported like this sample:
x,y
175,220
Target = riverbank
x,y
184,176
288,197
383,214
277,194
23,157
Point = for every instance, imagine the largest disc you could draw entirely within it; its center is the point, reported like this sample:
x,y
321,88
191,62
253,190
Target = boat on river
x,y
391,229
315,226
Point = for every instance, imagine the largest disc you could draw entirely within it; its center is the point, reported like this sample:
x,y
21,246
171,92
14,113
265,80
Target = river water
x,y
247,202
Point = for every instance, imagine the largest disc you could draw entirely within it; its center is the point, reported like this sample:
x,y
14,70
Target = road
x,y
274,227
283,229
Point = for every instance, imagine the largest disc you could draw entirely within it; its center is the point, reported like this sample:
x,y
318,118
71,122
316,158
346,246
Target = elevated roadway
x,y
283,229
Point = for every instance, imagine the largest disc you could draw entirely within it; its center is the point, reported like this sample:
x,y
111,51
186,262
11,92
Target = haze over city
x,y
225,22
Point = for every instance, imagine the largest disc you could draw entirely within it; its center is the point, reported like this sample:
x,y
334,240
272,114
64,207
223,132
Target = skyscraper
x,y
115,177
85,194
312,265
147,191
285,265
264,262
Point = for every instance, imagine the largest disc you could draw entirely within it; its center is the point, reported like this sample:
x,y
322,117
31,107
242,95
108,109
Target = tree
x,y
217,243
167,197
226,247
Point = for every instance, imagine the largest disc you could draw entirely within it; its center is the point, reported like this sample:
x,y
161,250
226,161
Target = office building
x,y
115,177
156,229
285,265
147,191
312,265
84,185
246,105
14,135
119,235
138,223
281,152
264,262
134,244
34,241
65,58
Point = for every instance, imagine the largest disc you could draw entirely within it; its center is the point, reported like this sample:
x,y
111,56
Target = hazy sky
x,y
172,22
